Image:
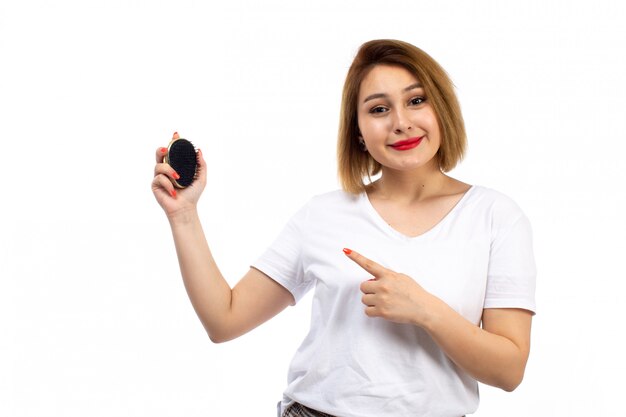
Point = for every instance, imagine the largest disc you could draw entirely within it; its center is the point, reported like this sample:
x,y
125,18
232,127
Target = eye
x,y
378,109
416,101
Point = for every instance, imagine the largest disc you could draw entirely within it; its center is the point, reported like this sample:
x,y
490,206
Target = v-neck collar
x,y
378,219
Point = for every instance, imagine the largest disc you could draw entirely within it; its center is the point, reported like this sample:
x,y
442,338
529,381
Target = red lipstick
x,y
404,145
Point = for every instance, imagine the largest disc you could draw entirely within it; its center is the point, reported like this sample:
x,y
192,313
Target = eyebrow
x,y
383,95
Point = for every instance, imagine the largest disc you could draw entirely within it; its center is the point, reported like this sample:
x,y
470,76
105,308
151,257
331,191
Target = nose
x,y
401,122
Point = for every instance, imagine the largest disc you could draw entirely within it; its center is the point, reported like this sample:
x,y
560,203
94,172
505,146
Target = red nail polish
x,y
347,251
175,175
163,150
173,193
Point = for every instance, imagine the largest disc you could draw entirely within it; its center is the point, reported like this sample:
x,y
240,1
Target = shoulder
x,y
321,206
333,199
500,209
495,201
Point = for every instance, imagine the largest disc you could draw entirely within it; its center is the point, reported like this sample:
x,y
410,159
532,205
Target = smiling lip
x,y
407,144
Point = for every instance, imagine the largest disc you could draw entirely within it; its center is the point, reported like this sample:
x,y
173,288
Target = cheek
x,y
373,128
431,120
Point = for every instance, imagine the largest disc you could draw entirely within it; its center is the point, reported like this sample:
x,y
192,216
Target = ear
x,y
362,143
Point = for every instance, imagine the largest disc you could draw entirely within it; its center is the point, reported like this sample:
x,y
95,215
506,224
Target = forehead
x,y
386,79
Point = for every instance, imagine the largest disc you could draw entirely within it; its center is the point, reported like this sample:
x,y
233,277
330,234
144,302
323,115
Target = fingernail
x,y
175,133
175,175
163,150
347,251
200,152
173,193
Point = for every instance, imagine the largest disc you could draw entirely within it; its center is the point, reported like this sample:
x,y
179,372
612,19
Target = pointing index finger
x,y
365,263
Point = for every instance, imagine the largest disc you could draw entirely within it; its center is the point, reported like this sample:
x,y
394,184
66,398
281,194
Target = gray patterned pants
x,y
299,410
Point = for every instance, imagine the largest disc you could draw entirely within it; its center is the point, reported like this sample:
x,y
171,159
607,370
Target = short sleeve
x,y
282,260
512,271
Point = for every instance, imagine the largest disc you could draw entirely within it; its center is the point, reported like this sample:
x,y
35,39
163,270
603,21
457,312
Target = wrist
x,y
434,314
183,217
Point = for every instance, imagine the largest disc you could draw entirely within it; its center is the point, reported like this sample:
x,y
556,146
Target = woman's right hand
x,y
175,200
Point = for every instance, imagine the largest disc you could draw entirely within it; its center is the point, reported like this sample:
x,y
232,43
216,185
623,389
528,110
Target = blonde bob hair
x,y
354,165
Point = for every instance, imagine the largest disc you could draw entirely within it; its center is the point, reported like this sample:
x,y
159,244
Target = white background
x,y
94,319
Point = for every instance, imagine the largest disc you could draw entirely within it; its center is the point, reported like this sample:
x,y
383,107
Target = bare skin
x,y
416,217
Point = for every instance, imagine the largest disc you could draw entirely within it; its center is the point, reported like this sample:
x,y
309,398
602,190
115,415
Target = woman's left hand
x,y
393,296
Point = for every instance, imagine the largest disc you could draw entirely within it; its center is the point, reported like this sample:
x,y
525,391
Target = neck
x,y
409,186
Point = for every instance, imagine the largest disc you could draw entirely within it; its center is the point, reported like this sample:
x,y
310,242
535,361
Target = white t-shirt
x,y
351,365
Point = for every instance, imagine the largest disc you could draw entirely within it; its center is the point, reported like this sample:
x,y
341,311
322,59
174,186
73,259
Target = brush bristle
x,y
182,157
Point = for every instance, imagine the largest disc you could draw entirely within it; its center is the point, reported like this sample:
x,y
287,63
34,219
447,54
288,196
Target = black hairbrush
x,y
181,155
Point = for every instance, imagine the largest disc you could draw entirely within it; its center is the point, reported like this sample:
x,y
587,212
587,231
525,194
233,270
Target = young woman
x,y
423,284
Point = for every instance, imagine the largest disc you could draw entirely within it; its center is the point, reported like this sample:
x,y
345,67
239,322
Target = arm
x,y
495,355
224,313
